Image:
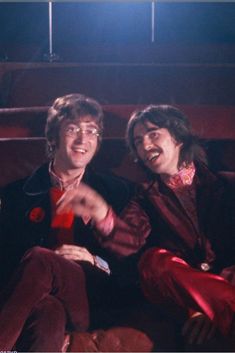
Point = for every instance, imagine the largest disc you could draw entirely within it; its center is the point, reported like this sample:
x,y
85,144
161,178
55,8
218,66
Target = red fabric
x,y
182,178
184,189
166,278
61,224
44,329
158,209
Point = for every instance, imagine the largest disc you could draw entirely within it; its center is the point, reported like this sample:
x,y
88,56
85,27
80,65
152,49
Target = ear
x,y
52,145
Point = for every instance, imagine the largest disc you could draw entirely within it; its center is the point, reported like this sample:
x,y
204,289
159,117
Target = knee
x,y
38,256
37,253
158,263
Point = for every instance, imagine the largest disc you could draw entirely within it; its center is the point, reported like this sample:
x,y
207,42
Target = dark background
x,y
104,50
24,26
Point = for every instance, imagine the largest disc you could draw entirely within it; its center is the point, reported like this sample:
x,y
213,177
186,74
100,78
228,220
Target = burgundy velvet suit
x,y
156,220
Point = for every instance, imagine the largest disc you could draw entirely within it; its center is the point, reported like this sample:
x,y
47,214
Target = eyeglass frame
x,y
75,130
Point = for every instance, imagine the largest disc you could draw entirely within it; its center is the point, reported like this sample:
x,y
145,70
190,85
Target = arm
x,y
79,253
126,234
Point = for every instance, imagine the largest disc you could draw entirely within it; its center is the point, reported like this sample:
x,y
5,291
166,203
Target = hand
x,y
75,253
198,329
83,201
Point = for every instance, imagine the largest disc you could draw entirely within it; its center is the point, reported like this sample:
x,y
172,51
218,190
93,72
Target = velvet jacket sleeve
x,y
130,229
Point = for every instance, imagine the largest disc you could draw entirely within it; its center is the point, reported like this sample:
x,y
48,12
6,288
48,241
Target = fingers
x,y
204,331
75,253
198,329
83,195
83,201
67,201
209,333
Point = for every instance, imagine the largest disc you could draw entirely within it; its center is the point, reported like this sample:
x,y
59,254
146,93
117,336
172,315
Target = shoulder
x,y
206,175
13,188
219,187
11,198
221,177
17,191
38,174
228,177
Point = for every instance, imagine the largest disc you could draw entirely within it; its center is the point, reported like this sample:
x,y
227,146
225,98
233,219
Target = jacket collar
x,y
164,200
39,182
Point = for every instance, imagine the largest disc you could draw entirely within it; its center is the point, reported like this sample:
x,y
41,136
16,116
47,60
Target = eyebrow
x,y
153,128
88,123
148,129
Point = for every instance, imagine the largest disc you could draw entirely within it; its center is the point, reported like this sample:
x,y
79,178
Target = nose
x,y
147,143
80,136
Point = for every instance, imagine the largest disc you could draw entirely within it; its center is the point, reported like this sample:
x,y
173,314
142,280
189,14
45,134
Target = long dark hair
x,y
178,125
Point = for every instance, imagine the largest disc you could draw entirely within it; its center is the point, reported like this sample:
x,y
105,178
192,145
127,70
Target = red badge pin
x,y
37,214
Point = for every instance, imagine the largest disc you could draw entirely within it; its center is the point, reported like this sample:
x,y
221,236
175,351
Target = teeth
x,y
153,156
81,150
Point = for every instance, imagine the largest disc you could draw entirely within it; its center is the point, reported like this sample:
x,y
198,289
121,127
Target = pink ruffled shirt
x,y
184,189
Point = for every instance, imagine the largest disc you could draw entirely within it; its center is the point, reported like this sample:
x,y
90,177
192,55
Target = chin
x,y
74,165
155,169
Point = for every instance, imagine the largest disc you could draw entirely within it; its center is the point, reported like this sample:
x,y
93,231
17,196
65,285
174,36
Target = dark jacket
x,y
20,231
155,217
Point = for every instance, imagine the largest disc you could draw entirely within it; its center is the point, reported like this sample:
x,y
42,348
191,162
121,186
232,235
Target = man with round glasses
x,y
59,269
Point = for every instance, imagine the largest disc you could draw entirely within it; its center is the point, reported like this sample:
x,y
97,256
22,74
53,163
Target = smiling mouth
x,y
152,157
79,150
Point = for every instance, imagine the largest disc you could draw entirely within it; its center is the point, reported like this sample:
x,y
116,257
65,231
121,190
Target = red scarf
x,y
61,224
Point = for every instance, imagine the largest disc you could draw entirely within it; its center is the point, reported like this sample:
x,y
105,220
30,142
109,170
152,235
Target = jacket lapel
x,y
38,212
173,213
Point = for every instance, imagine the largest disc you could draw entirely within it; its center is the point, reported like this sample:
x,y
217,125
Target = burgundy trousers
x,y
167,279
45,328
43,280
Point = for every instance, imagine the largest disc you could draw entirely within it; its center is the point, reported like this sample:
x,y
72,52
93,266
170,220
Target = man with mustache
x,y
182,219
54,269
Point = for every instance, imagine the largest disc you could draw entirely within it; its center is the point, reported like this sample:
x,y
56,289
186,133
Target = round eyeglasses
x,y
73,131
